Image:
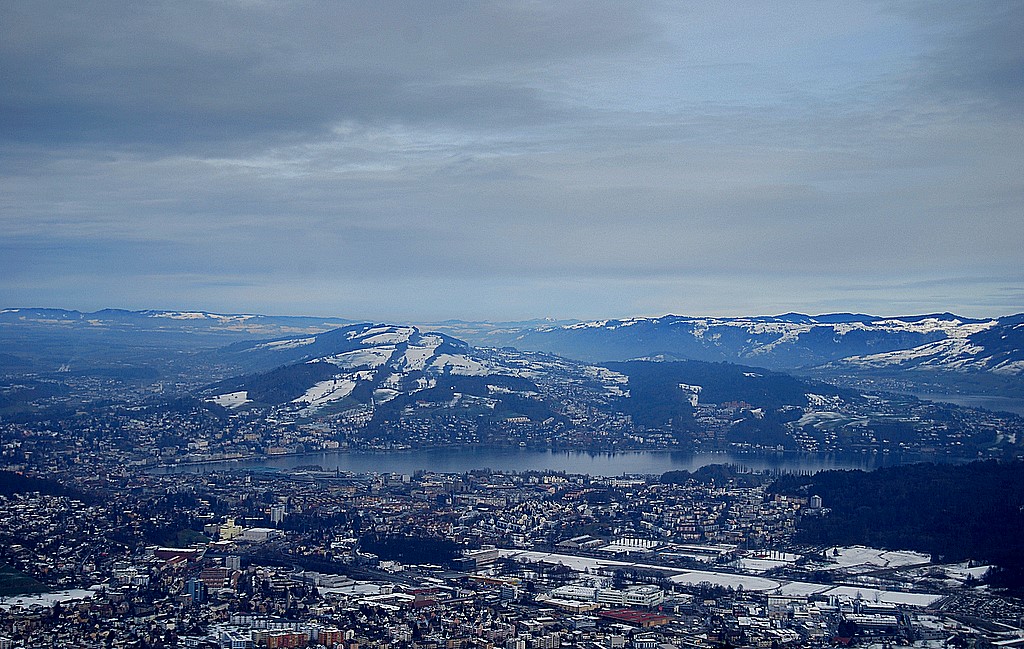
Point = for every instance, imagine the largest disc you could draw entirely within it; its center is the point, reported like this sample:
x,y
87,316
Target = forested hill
x,y
955,512
16,483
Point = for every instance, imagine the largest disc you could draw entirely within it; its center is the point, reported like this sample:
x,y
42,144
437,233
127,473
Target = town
x,y
122,557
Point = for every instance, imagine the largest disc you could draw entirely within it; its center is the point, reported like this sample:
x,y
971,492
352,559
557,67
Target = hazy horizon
x,y
539,318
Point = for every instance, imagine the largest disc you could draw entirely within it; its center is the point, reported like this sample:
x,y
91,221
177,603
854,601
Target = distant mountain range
x,y
943,351
152,320
935,346
671,382
168,345
990,346
787,341
390,381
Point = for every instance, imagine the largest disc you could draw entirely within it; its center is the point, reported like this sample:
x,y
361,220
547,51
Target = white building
x,y
260,534
643,596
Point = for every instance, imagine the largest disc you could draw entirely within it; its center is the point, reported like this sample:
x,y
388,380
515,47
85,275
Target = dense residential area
x,y
122,558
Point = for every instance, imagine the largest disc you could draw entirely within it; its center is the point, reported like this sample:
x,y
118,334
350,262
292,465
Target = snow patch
x,y
231,399
291,343
372,357
822,401
725,580
383,395
693,392
1009,367
829,420
853,593
859,555
46,600
389,336
462,365
953,353
327,391
416,356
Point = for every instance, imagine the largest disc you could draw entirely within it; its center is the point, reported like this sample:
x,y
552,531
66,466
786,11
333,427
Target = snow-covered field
x,y
387,335
382,395
725,580
801,588
955,353
962,572
327,391
231,399
852,556
858,555
416,356
851,593
45,599
762,564
579,564
463,365
828,420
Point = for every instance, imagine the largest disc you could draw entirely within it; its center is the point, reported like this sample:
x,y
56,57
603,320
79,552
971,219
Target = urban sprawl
x,y
130,557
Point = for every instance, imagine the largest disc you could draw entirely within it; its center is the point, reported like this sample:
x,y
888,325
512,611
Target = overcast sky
x,y
512,160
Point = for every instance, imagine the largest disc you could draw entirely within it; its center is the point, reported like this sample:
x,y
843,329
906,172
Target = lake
x,y
995,404
461,460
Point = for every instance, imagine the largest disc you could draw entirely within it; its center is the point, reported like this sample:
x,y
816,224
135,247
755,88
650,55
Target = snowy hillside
x,y
786,342
993,346
374,364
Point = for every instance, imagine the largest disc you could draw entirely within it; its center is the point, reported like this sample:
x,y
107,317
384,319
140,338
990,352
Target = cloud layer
x,y
512,159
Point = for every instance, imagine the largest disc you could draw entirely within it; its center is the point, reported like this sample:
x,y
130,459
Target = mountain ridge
x,y
394,383
789,341
920,348
377,385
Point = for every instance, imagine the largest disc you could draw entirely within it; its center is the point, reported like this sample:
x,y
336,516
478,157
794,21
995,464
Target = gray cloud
x,y
512,159
973,51
173,74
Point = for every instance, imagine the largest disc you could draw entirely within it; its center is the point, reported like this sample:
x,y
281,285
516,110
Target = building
x,y
635,618
484,558
277,514
197,590
260,535
277,639
229,530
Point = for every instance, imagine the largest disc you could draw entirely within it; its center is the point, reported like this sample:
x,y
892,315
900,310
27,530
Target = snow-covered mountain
x,y
945,350
376,364
388,384
374,384
995,346
789,341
